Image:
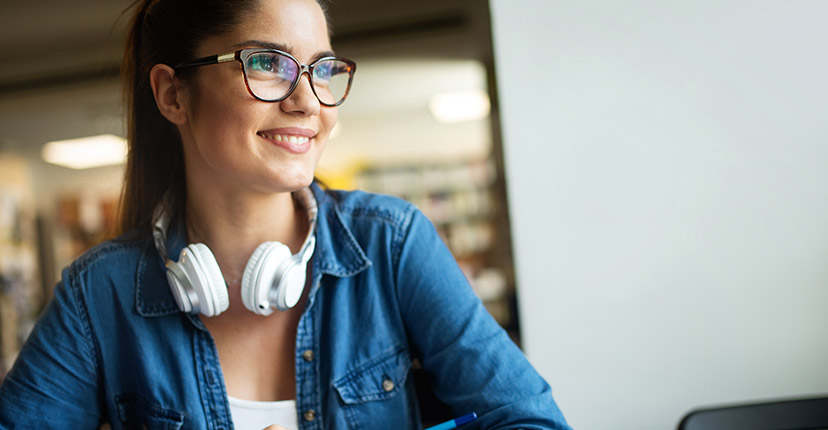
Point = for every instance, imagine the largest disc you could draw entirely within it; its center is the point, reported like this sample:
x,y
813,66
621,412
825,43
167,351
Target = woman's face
x,y
234,140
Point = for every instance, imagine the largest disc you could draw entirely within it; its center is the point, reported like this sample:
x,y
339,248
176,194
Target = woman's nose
x,y
302,100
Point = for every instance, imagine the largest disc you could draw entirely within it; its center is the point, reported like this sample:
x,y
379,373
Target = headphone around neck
x,y
273,278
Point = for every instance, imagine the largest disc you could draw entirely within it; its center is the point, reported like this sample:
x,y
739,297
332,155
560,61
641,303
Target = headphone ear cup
x,y
259,276
179,284
204,273
291,284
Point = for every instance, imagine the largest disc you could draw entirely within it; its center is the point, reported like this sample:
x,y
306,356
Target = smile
x,y
294,140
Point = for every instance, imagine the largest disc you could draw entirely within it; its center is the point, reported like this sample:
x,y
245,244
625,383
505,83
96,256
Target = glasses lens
x,y
270,74
331,79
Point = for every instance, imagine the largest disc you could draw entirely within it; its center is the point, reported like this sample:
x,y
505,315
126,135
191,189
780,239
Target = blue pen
x,y
450,424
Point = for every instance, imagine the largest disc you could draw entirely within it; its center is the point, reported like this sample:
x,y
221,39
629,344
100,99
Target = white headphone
x,y
272,277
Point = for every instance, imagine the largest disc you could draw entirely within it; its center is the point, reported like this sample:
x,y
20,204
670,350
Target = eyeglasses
x,y
272,75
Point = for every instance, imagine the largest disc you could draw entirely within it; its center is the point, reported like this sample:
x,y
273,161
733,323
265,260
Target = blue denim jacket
x,y
113,347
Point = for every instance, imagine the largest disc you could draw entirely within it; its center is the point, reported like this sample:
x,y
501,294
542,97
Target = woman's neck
x,y
233,225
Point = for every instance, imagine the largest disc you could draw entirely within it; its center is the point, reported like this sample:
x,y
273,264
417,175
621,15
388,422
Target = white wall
x,y
667,165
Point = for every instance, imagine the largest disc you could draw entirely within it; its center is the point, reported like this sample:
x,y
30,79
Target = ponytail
x,y
161,32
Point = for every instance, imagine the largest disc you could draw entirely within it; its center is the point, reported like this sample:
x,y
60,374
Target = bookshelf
x,y
21,295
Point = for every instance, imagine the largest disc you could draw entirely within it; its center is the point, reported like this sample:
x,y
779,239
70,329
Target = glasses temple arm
x,y
203,61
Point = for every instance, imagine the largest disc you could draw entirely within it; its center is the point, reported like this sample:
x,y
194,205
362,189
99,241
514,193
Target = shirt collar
x,y
337,254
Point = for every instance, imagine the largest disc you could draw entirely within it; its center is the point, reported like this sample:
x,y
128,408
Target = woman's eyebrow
x,y
281,47
266,45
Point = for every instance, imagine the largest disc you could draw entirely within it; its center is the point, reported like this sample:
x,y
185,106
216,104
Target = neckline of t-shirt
x,y
254,404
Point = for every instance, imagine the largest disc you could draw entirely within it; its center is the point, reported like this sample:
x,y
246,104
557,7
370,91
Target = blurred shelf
x,y
21,295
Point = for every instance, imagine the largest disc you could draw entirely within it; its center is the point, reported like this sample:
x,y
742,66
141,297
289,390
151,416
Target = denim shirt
x,y
113,347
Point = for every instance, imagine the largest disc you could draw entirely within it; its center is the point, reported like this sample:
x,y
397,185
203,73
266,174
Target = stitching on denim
x,y
206,357
305,339
77,271
139,274
367,366
353,247
315,339
350,412
144,309
221,392
383,361
393,218
92,256
399,384
370,364
83,315
400,238
357,204
154,409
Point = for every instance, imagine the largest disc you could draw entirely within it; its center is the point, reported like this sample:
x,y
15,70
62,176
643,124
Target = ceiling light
x,y
86,152
460,106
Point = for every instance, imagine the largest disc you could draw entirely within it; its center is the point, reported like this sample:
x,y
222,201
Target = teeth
x,y
293,140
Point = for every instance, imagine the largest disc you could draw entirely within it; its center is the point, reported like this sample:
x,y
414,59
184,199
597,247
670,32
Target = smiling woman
x,y
241,293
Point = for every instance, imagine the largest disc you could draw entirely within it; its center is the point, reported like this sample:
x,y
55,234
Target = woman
x,y
209,311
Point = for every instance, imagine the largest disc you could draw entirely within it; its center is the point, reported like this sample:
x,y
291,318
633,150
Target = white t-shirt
x,y
251,415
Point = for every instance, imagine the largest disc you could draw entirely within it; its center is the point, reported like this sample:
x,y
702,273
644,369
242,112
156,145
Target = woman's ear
x,y
168,96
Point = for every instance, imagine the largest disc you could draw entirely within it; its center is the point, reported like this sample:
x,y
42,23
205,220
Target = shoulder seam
x,y
83,315
400,236
396,215
80,265
76,272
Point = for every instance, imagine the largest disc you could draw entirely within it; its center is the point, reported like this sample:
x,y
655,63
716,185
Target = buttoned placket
x,y
210,379
308,395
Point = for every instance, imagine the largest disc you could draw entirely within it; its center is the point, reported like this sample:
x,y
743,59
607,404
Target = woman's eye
x,y
263,63
323,71
271,67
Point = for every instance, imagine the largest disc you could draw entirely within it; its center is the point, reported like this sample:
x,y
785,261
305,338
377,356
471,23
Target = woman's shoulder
x,y
114,256
357,204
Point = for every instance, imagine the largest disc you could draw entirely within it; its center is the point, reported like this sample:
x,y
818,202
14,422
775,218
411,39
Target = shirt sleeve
x,y
472,363
54,381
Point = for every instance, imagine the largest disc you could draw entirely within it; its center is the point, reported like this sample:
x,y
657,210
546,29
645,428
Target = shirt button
x,y
387,385
309,415
308,355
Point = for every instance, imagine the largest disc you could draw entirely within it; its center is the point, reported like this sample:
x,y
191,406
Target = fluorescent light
x,y
460,106
86,152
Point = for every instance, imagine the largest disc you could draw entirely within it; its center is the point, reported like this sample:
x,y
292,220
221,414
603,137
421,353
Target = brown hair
x,y
163,32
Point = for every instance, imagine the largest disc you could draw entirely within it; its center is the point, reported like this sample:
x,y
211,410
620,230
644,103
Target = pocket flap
x,y
136,412
378,378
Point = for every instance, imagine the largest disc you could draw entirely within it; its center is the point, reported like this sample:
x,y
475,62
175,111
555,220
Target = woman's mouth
x,y
294,140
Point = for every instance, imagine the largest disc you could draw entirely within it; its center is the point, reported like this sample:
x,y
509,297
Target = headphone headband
x,y
308,201
159,229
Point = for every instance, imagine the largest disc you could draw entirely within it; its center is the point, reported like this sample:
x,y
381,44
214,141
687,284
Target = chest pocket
x,y
379,378
138,413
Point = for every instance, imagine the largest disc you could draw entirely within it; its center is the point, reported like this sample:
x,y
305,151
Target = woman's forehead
x,y
291,21
254,43
298,27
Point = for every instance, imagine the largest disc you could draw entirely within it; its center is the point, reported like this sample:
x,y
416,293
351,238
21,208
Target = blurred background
x,y
636,190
